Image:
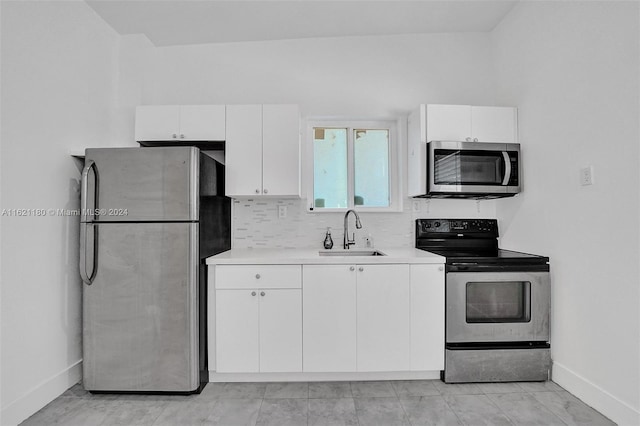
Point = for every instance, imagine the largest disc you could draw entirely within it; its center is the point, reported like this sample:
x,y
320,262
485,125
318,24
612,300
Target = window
x,y
354,166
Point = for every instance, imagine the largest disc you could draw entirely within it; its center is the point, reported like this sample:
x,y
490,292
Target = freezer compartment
x,y
143,184
141,314
497,365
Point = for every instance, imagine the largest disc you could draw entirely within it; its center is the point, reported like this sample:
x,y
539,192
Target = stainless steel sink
x,y
352,253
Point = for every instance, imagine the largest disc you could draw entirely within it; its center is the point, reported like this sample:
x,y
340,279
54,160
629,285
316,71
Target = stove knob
x,y
437,224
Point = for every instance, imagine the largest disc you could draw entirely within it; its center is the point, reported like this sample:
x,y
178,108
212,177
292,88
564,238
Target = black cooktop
x,y
472,244
488,257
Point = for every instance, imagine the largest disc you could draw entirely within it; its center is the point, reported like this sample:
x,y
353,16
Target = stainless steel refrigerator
x,y
150,216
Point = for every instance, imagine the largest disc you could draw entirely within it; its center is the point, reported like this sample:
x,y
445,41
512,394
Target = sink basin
x,y
352,253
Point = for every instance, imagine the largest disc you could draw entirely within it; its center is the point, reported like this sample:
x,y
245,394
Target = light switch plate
x,y
586,175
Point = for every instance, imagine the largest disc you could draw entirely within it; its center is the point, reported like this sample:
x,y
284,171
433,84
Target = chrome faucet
x,y
346,242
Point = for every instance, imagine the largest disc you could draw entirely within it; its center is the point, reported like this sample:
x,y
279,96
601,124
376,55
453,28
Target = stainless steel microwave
x,y
473,170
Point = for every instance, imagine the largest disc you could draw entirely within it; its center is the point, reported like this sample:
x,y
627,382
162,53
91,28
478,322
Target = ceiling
x,y
180,22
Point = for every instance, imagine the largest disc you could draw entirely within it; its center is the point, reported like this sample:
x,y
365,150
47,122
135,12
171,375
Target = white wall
x,y
572,69
59,88
358,77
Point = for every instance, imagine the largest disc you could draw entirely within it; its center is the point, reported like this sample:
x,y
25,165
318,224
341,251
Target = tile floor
x,y
385,403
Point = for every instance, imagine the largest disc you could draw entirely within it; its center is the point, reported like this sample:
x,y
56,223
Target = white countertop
x,y
310,256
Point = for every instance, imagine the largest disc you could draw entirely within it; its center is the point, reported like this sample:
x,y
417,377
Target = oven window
x,y
499,301
455,167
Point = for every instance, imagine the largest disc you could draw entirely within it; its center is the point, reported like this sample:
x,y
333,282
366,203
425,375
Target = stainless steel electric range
x,y
497,303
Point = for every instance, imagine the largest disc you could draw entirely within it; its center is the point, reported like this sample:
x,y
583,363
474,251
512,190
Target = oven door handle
x,y
507,168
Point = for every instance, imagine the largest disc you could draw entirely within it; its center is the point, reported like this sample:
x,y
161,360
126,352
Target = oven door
x,y
497,307
473,168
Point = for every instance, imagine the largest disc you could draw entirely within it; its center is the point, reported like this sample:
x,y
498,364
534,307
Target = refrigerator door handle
x,y
84,211
88,237
88,243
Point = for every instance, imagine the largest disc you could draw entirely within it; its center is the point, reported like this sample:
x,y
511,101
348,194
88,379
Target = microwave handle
x,y
507,168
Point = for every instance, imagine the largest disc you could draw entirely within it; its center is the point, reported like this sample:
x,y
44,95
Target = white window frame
x,y
395,183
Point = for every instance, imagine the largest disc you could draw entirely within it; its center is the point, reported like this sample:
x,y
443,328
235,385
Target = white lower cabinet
x,y
427,317
237,331
383,318
329,318
258,327
281,330
356,318
337,318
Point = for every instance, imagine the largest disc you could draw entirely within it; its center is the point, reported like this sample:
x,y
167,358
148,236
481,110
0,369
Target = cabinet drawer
x,y
258,276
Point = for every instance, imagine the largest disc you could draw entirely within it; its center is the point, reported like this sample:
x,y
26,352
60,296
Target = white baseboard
x,y
40,395
617,410
322,377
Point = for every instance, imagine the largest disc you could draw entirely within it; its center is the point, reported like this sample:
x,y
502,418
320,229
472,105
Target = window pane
x,y
330,167
371,168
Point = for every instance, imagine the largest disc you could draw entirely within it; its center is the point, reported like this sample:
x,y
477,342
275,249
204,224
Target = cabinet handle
x,y
440,268
475,139
253,293
257,276
175,136
265,191
262,293
352,268
181,136
257,191
468,139
361,269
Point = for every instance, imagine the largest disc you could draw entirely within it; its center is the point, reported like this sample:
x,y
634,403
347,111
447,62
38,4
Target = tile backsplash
x,y
256,223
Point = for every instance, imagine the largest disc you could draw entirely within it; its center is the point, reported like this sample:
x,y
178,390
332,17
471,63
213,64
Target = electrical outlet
x,y
282,212
586,176
416,205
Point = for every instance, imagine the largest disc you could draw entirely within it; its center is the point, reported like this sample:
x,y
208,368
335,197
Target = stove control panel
x,y
463,227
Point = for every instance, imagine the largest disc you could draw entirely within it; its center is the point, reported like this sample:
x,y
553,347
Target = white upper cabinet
x,y
494,124
243,150
180,123
448,122
262,150
202,122
281,150
470,123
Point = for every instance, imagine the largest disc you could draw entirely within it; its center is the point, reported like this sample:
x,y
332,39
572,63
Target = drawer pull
x,y
257,276
253,293
262,293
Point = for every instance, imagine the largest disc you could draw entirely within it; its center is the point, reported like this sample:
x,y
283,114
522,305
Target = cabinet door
x,y
417,152
329,318
427,317
383,318
494,124
243,150
237,331
157,122
448,122
280,330
202,123
281,150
